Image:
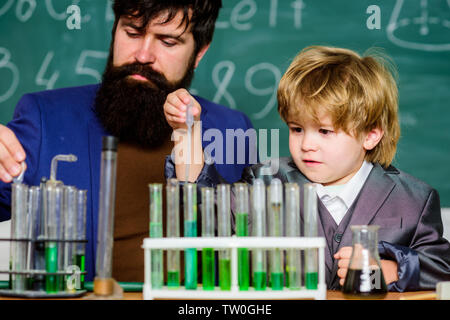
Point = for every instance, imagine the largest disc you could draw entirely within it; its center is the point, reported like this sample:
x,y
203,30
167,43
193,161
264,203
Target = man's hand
x,y
388,267
175,108
11,155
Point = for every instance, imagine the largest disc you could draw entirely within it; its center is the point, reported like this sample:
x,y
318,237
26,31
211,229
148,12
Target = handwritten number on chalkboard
x,y
81,67
22,15
272,90
40,80
5,63
223,85
6,7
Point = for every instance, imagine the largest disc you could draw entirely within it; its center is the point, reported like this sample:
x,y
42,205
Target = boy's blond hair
x,y
358,93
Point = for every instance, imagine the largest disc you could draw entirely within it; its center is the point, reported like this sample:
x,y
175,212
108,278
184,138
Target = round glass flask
x,y
364,277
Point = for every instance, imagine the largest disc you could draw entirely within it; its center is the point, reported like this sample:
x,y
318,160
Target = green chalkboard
x,y
254,43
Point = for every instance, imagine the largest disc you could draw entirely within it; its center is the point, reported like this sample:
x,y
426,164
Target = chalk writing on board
x,y
6,64
40,77
430,24
24,9
242,14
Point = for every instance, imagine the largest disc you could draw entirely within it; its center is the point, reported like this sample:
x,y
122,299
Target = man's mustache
x,y
158,79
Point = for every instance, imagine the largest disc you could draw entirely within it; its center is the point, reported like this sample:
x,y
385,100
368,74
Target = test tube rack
x,y
233,243
73,272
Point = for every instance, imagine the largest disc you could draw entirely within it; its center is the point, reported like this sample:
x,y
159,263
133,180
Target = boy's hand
x,y
388,267
11,155
175,108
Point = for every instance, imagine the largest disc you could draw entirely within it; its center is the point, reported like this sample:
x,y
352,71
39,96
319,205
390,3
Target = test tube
x,y
40,244
224,230
208,225
293,262
80,251
53,223
173,231
103,282
70,229
241,191
310,218
19,232
34,214
258,200
156,231
190,230
275,217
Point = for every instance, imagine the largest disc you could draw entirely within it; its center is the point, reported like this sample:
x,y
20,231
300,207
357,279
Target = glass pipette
x,y
80,251
190,230
156,231
310,212
293,267
173,231
258,201
275,205
241,191
208,225
224,230
189,123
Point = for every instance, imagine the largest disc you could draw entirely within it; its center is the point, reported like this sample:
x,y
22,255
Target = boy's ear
x,y
372,138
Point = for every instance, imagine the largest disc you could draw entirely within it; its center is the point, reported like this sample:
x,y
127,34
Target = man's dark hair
x,y
204,15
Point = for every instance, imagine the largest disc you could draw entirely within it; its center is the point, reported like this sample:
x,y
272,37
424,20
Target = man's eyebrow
x,y
129,23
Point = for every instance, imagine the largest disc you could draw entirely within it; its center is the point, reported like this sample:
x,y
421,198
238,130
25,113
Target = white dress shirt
x,y
338,198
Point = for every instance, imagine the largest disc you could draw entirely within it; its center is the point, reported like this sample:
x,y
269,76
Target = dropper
x,y
189,123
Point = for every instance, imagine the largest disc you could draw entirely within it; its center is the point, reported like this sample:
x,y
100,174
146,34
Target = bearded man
x,y
155,48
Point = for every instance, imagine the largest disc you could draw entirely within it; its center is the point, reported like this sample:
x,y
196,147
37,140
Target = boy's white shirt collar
x,y
347,192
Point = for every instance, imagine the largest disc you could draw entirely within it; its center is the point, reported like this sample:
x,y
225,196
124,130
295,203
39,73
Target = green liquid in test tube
x,y
224,230
275,205
310,212
241,191
293,262
173,231
208,226
190,230
258,206
53,216
156,227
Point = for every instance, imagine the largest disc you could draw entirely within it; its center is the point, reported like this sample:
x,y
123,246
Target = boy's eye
x,y
168,43
133,34
325,131
296,129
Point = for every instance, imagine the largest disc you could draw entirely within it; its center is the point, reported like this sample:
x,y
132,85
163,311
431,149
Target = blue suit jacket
x,y
63,122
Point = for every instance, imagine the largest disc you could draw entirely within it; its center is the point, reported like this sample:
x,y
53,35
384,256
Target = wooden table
x,y
331,295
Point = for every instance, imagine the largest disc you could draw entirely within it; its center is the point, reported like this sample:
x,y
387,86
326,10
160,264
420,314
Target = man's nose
x,y
145,53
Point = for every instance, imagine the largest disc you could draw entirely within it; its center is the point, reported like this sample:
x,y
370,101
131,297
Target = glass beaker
x,y
364,277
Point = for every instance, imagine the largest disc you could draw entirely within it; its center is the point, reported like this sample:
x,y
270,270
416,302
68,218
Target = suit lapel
x,y
372,196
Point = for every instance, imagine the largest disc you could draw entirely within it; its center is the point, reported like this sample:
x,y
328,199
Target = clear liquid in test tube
x,y
34,214
310,225
275,219
241,192
259,259
293,258
190,230
19,232
173,231
224,230
156,231
208,226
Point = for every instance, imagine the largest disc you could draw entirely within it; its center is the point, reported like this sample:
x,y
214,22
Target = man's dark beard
x,y
132,110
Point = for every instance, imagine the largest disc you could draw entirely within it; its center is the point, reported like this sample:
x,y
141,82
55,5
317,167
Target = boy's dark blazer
x,y
406,209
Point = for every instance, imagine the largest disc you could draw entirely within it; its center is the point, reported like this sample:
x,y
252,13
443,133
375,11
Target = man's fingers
x,y
9,164
9,140
344,253
4,175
